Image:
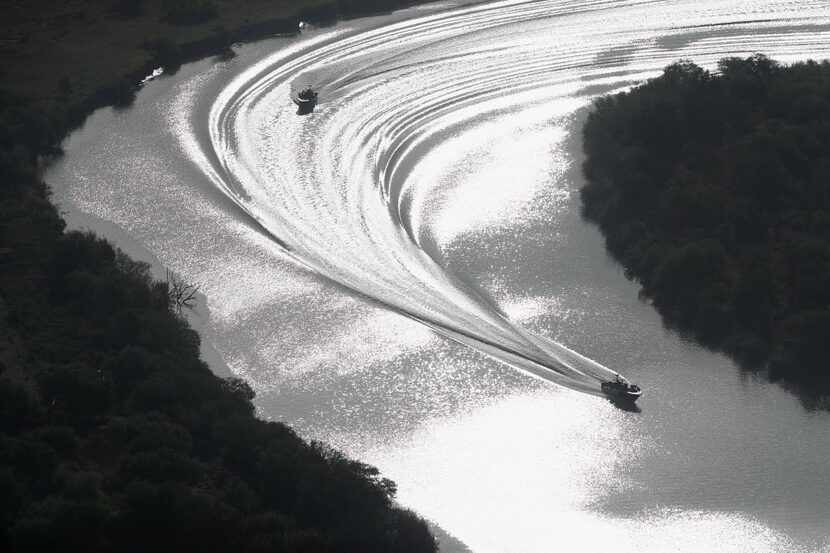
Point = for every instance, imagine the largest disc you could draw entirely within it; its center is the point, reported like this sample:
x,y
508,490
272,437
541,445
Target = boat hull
x,y
621,391
304,107
620,395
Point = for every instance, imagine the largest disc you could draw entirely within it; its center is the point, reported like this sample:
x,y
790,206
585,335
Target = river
x,y
405,274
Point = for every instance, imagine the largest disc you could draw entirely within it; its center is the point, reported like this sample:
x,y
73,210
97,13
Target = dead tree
x,y
180,294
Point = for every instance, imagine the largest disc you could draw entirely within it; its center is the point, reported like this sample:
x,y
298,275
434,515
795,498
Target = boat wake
x,y
334,188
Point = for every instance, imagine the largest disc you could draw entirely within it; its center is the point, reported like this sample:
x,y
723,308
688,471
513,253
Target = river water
x,y
405,275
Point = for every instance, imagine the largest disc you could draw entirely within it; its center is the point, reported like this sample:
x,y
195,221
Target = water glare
x,y
380,269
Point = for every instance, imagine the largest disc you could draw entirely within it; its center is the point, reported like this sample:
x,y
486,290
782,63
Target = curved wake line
x,y
329,187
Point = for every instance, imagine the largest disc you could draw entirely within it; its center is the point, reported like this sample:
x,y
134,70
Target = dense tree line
x,y
713,190
114,435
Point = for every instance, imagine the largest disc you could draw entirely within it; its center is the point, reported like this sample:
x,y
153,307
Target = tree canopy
x,y
713,190
114,435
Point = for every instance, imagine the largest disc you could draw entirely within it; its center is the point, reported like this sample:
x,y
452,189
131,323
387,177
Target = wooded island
x,y
713,191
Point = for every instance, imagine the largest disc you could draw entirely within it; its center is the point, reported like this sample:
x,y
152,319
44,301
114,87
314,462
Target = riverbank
x,y
392,393
114,433
711,189
71,58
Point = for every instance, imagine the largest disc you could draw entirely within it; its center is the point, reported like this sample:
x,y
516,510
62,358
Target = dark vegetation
x,y
82,54
189,12
114,435
713,190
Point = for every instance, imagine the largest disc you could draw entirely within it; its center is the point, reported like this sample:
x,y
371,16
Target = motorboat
x,y
306,99
621,389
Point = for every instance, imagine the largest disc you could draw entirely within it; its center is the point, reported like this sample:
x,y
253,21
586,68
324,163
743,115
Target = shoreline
x,y
65,300
57,95
713,245
199,319
663,357
322,15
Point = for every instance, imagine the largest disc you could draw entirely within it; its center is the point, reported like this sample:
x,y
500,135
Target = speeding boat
x,y
305,100
621,389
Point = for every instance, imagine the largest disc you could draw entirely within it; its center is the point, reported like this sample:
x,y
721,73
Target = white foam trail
x,y
330,187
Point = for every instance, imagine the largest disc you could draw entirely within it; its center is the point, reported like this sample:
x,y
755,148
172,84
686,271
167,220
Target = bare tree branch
x,y
180,294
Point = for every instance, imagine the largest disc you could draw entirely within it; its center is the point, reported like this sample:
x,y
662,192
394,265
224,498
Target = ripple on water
x,y
438,177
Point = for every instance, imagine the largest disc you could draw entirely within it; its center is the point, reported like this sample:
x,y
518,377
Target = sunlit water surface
x,y
405,275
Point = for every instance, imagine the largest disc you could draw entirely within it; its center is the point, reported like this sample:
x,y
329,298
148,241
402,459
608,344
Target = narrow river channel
x,y
404,273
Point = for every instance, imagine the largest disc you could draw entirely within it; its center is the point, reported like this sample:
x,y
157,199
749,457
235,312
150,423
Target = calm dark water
x,y
375,268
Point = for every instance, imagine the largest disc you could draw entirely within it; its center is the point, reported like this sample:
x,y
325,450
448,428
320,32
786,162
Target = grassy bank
x,y
713,190
70,57
114,435
57,51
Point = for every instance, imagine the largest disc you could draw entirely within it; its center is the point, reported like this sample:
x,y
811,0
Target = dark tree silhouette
x,y
713,190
